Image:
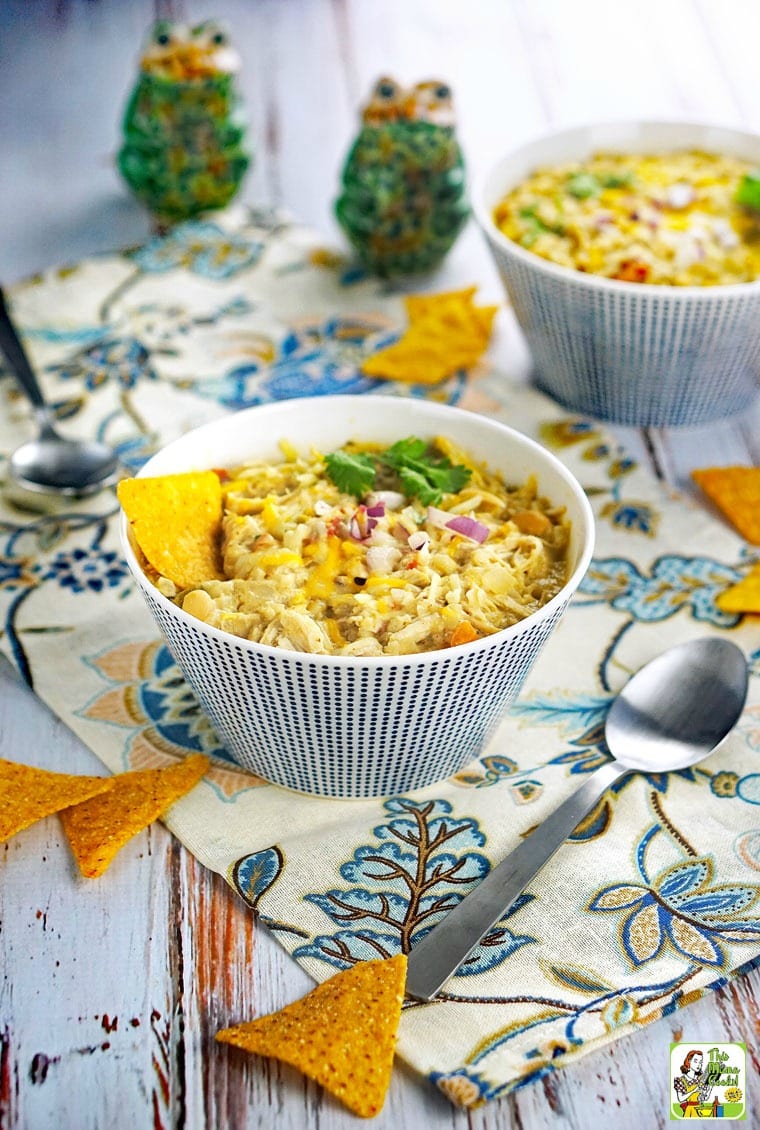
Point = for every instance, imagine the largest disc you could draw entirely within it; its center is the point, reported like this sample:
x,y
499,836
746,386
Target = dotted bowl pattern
x,y
352,729
632,356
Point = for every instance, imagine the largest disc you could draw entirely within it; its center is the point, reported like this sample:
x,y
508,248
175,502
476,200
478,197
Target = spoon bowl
x,y
672,714
73,468
678,708
51,466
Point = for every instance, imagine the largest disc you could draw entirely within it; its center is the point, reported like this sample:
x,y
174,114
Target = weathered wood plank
x,y
724,443
593,63
88,985
732,31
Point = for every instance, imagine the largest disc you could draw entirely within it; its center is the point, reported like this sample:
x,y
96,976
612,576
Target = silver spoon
x,y
51,464
670,715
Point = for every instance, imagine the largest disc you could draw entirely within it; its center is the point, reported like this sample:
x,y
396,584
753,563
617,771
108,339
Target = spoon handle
x,y
437,957
11,346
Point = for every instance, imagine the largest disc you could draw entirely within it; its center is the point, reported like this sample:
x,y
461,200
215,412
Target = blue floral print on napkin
x,y
201,247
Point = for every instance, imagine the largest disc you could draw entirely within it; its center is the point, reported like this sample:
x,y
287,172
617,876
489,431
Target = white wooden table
x,y
110,992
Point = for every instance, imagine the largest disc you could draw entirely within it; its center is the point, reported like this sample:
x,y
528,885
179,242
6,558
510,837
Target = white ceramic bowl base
x,y
349,727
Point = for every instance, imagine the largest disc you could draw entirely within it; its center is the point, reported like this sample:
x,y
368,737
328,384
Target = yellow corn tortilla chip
x,y
422,305
342,1034
419,359
744,596
425,354
485,316
98,829
176,521
453,313
28,794
446,333
735,491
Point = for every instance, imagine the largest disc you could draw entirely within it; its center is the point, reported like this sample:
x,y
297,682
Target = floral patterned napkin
x,y
653,901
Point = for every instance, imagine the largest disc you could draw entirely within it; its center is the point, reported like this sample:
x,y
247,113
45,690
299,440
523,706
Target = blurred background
x,y
516,66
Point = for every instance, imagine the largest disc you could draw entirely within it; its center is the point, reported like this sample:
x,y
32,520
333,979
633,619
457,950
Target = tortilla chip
x,y
486,315
342,1034
177,522
422,305
98,829
419,359
453,313
736,491
743,596
446,333
28,794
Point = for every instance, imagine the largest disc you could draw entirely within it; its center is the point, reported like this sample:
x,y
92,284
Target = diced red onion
x,y
362,524
468,527
603,219
393,499
418,540
359,534
459,523
376,510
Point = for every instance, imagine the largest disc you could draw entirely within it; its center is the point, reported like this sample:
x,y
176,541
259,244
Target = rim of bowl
x,y
414,658
483,204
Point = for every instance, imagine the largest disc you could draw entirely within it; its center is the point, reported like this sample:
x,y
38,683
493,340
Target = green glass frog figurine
x,y
403,199
183,150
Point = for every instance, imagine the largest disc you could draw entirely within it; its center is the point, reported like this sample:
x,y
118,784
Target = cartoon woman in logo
x,y
691,1087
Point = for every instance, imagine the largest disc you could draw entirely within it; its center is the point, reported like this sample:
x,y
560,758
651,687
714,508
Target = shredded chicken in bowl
x,y
406,566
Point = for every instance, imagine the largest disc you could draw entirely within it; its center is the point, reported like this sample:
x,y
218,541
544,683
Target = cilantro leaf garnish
x,y
403,450
748,192
582,185
617,180
429,484
535,226
422,473
352,472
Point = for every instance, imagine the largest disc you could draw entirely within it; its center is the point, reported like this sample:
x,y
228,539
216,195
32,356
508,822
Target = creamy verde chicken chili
x,y
681,219
372,551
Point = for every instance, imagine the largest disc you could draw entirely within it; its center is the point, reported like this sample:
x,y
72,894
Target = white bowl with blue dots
x,y
339,726
631,353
